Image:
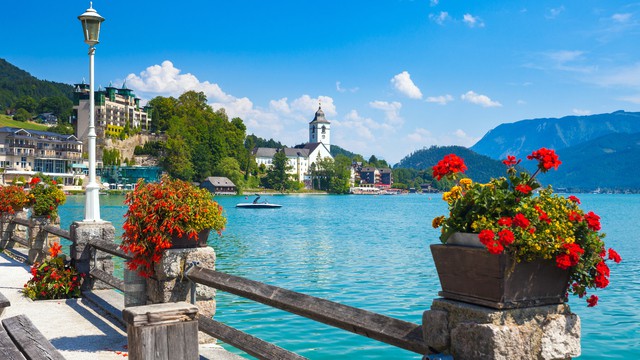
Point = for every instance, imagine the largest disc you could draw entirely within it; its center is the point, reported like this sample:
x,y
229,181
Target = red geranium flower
x,y
575,216
613,255
547,159
506,237
450,164
593,221
574,199
521,221
505,221
592,301
486,236
523,188
511,161
601,281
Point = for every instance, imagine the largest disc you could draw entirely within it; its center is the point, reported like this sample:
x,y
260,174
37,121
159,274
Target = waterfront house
x,y
219,185
23,153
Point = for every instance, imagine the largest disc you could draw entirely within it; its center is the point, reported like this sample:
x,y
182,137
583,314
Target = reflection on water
x,y
372,252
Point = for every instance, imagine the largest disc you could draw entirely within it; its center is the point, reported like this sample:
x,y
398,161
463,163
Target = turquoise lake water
x,y
372,252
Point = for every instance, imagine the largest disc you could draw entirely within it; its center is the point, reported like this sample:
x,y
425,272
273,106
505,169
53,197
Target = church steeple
x,y
320,129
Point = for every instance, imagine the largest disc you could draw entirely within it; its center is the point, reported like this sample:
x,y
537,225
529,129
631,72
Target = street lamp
x,y
91,27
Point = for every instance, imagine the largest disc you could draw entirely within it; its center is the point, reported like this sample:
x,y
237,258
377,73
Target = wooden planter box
x,y
184,242
473,275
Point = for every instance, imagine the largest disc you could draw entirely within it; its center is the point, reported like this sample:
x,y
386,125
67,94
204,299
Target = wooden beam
x,y
109,247
20,240
20,221
392,331
29,339
58,231
245,342
107,278
8,350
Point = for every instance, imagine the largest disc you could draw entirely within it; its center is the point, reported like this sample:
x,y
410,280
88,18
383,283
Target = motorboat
x,y
257,204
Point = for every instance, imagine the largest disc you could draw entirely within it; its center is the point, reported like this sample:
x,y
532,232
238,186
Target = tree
x,y
21,115
230,168
111,157
27,103
61,128
177,159
60,106
277,176
163,110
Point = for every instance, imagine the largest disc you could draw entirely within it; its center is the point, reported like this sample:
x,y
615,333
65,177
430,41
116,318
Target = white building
x,y
300,159
23,153
114,109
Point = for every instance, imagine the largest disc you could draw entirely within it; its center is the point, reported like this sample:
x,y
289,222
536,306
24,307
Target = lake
x,y
372,252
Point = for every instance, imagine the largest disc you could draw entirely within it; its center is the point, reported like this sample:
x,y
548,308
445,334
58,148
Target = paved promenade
x,y
77,327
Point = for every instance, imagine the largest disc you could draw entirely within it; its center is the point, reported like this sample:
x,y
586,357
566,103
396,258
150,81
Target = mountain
x,y
16,83
608,162
522,137
481,168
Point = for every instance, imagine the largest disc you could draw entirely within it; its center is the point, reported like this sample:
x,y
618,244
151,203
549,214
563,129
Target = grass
x,y
8,121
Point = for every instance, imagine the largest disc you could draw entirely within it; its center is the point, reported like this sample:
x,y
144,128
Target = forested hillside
x,y
16,83
609,162
480,168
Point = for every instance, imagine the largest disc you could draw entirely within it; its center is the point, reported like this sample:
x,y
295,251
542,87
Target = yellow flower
x,y
437,221
466,183
446,196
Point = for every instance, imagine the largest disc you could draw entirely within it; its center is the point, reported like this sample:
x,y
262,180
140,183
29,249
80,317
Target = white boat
x,y
258,205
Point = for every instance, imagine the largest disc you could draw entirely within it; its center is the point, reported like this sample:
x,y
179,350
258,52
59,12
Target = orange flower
x,y
55,249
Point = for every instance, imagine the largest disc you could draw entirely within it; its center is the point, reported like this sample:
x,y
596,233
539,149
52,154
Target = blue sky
x,y
393,76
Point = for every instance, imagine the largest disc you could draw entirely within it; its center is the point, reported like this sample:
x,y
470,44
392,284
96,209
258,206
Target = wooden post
x,y
162,331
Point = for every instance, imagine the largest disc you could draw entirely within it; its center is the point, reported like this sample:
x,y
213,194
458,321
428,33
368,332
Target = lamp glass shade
x,y
91,26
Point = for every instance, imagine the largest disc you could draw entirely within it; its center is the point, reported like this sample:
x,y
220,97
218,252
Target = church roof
x,y
290,152
319,118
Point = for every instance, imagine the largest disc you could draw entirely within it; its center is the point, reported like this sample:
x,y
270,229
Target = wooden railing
x,y
392,331
395,332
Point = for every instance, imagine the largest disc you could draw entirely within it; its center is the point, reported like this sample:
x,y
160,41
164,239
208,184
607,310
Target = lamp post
x,y
91,27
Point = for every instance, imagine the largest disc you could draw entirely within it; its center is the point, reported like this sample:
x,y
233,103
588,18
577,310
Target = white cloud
x,y
439,18
554,12
280,106
461,138
308,105
339,88
628,76
165,79
521,102
421,135
472,21
479,99
403,83
631,99
391,110
621,18
581,112
563,56
434,2
442,99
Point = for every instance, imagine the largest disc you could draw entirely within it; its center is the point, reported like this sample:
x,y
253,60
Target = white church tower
x,y
320,129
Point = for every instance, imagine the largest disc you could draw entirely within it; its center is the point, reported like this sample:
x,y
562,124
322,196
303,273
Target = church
x,y
301,159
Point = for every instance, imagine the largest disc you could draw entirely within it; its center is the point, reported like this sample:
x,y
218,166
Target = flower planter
x,y
471,274
183,242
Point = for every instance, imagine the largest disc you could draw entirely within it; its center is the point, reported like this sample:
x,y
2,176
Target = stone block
x,y
469,331
436,329
561,337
